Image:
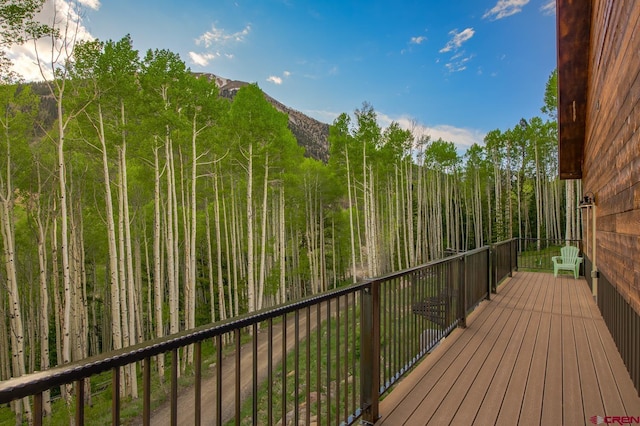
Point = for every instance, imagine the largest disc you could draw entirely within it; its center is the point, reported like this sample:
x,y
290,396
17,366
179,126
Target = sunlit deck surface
x,y
538,353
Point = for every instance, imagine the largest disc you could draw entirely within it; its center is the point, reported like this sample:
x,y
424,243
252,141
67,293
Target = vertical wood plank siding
x,y
611,164
611,167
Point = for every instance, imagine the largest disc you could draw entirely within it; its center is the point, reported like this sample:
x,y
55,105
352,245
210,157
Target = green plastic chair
x,y
568,261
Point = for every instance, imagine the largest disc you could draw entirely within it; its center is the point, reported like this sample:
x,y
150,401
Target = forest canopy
x,y
135,202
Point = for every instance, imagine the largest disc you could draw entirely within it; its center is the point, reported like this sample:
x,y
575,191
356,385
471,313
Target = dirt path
x,y
186,399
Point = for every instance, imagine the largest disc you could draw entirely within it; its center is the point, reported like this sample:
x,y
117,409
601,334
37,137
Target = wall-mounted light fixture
x,y
588,201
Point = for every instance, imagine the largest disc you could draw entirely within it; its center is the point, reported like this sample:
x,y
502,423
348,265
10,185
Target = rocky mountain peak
x,y
311,134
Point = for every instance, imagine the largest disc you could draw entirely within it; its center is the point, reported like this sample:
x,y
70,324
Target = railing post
x,y
511,260
491,288
461,280
370,358
38,409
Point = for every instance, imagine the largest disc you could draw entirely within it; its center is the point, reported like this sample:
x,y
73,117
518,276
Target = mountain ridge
x,y
311,134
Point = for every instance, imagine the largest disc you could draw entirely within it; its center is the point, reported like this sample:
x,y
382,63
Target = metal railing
x,y
624,324
326,358
505,260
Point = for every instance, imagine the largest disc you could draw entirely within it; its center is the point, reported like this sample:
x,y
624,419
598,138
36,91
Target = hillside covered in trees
x,y
148,204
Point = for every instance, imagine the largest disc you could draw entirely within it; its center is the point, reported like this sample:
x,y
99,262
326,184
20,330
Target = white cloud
x,y
457,38
92,4
278,80
216,37
202,59
461,137
63,14
220,36
505,8
458,62
549,8
418,40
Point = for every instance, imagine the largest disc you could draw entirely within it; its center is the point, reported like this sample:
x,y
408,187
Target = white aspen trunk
x,y
367,216
569,211
334,254
57,303
389,223
234,234
519,189
114,283
400,216
322,256
124,296
558,206
578,218
251,290
126,339
81,314
222,312
171,265
373,239
141,335
16,326
207,224
5,362
171,233
439,219
263,236
354,273
447,210
479,224
283,246
538,198
406,181
64,236
157,260
418,249
498,199
231,265
191,314
148,328
185,208
310,234
175,226
130,278
44,297
508,208
16,333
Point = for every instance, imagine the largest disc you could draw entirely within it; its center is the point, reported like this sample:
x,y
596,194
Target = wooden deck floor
x,y
538,353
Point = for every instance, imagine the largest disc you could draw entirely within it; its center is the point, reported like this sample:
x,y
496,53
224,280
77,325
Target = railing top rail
x,y
427,265
37,382
563,240
501,243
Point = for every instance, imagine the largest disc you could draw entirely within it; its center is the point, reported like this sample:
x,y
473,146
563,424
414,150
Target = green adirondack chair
x,y
568,261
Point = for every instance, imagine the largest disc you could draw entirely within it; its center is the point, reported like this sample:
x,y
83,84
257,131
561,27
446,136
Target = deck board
x,y
537,353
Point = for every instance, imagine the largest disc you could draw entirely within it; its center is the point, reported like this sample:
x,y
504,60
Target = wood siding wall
x,y
611,168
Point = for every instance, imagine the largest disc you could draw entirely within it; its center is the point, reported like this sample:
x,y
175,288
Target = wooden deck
x,y
538,353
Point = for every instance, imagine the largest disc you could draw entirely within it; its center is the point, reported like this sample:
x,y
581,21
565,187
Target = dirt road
x,y
186,399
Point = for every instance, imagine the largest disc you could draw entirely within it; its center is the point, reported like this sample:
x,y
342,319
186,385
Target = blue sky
x,y
451,68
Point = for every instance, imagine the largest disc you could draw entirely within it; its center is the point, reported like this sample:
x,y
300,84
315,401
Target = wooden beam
x,y
573,32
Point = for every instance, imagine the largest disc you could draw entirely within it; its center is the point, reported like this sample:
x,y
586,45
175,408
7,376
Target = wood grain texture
x,y
538,353
611,154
